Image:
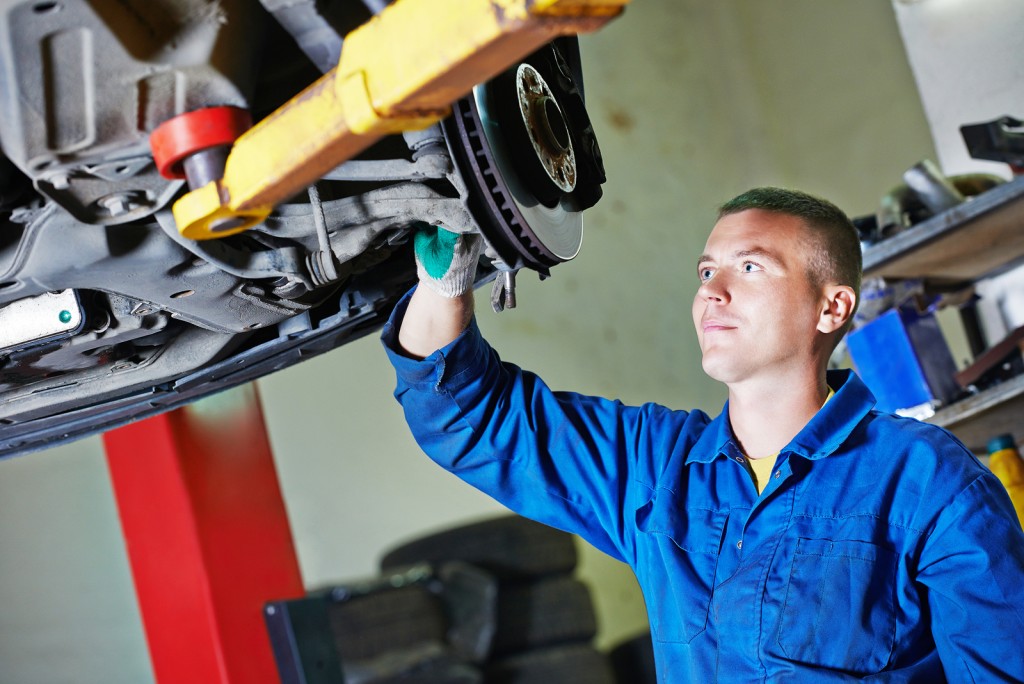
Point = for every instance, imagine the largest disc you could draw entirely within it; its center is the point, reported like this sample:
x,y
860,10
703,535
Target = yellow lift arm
x,y
399,71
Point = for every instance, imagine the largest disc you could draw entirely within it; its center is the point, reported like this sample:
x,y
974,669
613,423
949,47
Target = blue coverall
x,y
881,549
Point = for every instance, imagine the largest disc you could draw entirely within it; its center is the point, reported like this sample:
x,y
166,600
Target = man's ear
x,y
840,301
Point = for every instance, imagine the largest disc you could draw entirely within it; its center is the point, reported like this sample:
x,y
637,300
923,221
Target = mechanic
x,y
801,535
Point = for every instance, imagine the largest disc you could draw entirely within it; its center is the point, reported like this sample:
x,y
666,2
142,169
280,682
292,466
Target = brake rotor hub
x,y
546,128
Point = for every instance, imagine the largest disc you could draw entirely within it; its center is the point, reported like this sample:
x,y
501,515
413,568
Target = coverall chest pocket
x,y
678,555
839,606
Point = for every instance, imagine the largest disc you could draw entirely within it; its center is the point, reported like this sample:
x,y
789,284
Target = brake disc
x,y
524,144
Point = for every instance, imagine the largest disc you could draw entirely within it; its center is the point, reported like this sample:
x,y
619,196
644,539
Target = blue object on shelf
x,y
903,358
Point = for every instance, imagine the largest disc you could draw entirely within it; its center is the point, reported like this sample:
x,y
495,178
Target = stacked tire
x,y
543,621
494,602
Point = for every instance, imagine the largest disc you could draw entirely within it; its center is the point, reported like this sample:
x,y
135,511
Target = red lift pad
x,y
192,132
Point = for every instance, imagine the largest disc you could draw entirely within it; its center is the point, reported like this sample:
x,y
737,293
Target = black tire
x,y
576,664
549,611
633,661
510,547
470,599
453,674
426,664
393,619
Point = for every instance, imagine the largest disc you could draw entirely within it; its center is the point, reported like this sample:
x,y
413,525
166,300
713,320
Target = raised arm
x,y
441,308
580,463
433,321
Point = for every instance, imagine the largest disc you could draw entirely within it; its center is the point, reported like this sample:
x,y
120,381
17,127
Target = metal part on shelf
x,y
925,193
1000,140
931,187
981,236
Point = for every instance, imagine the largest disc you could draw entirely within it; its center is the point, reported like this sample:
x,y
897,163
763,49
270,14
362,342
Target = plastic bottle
x,y
1007,465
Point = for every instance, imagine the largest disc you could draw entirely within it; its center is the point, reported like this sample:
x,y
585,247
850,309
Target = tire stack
x,y
543,621
395,631
493,602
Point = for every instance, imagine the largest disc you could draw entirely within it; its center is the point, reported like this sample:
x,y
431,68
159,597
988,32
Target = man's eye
x,y
751,267
705,273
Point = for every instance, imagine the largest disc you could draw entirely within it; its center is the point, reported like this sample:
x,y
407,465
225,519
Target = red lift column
x,y
207,537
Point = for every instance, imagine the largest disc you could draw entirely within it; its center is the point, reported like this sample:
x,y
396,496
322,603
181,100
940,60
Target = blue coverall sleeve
x,y
972,566
563,459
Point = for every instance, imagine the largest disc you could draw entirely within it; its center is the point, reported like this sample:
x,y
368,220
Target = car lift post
x,y
207,536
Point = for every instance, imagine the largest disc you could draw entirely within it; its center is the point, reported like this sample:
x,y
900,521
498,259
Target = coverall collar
x,y
820,437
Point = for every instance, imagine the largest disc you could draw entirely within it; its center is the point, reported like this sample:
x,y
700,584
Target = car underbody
x,y
108,314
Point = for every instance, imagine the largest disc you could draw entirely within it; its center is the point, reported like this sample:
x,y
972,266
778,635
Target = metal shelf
x,y
978,418
980,237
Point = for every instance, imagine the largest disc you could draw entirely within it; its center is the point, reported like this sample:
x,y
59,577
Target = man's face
x,y
756,310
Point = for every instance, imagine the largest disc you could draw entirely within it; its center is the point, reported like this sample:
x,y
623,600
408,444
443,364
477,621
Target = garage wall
x,y
693,102
973,78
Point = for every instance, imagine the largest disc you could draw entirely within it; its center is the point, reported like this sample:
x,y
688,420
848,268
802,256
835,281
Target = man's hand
x,y
446,261
442,306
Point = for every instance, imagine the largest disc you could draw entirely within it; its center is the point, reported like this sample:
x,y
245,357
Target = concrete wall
x,y
693,102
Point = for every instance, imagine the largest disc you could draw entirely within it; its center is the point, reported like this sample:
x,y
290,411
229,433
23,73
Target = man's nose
x,y
714,289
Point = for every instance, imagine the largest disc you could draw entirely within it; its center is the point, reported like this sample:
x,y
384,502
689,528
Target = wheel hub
x,y
524,143
546,127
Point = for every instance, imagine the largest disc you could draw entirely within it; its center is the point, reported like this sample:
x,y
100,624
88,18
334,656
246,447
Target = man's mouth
x,y
712,325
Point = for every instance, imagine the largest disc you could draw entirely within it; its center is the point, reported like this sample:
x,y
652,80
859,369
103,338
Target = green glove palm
x,y
446,261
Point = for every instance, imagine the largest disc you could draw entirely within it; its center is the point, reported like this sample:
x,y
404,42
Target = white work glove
x,y
445,261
